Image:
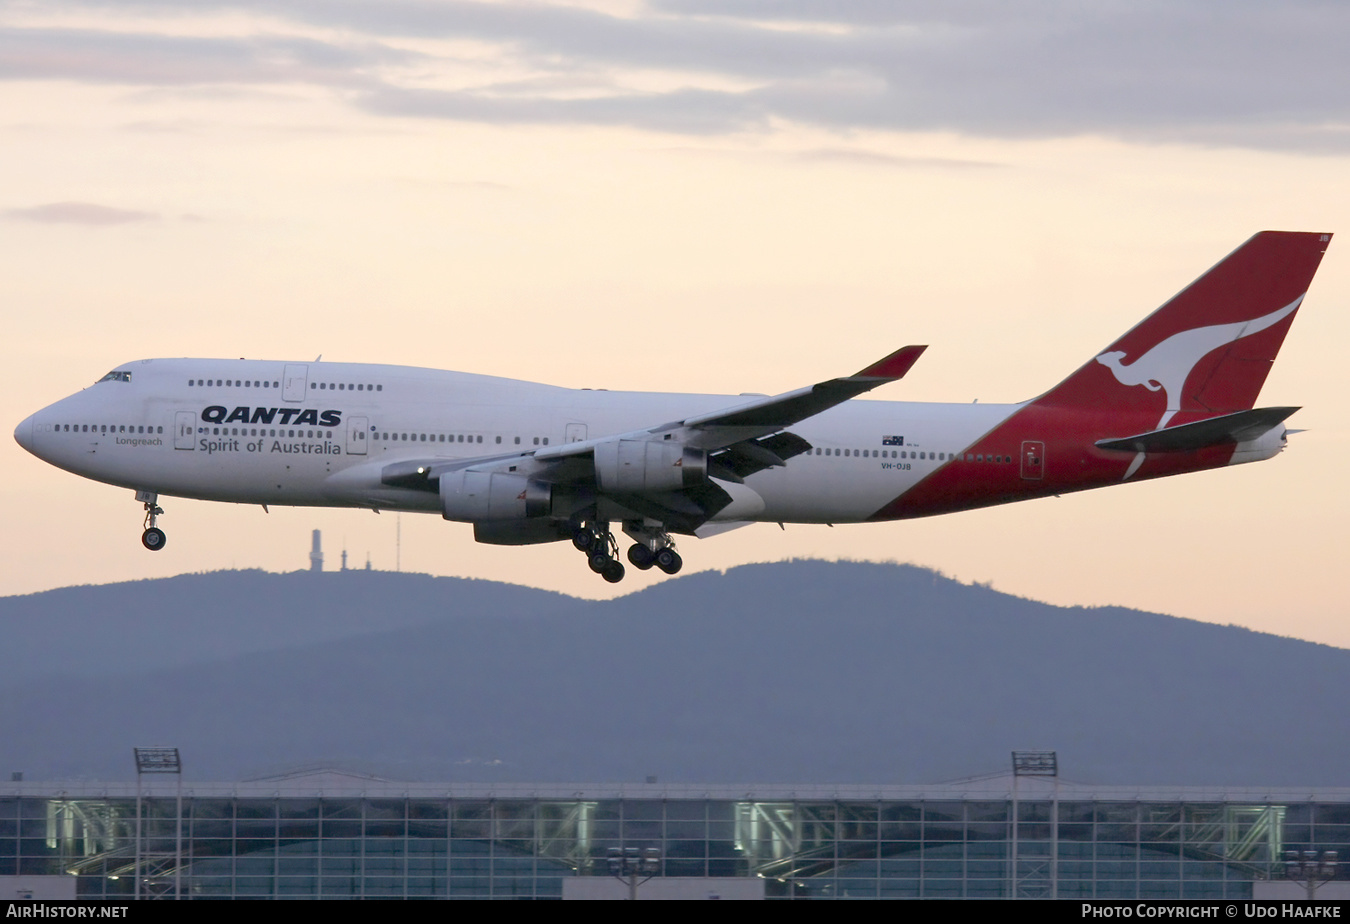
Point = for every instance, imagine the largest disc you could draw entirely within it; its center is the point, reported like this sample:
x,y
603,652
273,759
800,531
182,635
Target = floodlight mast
x,y
1044,764
1311,868
627,864
160,760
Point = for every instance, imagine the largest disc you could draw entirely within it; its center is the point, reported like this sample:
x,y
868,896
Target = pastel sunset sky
x,y
681,195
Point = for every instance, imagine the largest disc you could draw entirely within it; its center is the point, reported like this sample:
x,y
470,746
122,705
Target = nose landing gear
x,y
153,538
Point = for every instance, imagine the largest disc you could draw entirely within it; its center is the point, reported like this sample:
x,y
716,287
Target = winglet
x,y
894,366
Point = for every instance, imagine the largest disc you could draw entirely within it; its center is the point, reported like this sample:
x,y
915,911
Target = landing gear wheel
x,y
600,560
583,539
153,538
613,571
669,561
641,557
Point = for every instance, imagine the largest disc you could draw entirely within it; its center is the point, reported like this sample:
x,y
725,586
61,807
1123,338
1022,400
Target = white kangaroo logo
x,y
1167,366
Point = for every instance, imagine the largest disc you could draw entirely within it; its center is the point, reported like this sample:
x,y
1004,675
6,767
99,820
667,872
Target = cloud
x,y
688,112
141,59
79,213
1241,73
853,157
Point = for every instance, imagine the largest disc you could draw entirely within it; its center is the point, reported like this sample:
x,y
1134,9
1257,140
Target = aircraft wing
x,y
762,416
791,407
734,442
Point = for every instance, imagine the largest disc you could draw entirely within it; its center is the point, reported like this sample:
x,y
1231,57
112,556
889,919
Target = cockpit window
x,y
116,376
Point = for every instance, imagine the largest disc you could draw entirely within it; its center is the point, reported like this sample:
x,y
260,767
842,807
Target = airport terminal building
x,y
327,834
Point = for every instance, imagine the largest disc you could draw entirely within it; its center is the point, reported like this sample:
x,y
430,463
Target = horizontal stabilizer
x,y
1216,431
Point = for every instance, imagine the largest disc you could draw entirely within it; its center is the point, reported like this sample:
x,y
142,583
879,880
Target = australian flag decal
x,y
892,441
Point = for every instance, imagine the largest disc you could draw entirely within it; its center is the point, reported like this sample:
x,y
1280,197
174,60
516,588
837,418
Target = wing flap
x,y
749,456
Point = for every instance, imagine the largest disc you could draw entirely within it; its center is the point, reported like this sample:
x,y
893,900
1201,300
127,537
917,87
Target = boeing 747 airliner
x,y
528,463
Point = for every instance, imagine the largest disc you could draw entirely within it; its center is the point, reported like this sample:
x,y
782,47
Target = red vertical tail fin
x,y
1209,349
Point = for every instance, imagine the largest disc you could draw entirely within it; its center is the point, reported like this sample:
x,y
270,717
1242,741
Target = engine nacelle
x,y
522,532
470,496
634,466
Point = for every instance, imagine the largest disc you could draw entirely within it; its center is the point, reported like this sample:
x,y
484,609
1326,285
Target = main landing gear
x,y
601,550
153,538
652,547
665,558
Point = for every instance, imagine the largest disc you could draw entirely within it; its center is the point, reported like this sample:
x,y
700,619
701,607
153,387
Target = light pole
x,y
160,760
1044,764
634,865
1310,867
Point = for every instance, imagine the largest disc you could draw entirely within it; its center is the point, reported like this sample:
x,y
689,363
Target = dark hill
x,y
799,671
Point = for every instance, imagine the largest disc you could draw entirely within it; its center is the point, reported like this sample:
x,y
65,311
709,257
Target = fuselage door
x,y
184,429
576,433
358,435
1033,460
293,383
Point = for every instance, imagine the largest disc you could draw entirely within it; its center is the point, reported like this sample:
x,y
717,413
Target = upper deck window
x,y
116,376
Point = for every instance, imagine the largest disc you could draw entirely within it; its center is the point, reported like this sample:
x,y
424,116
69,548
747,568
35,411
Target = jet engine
x,y
470,496
636,466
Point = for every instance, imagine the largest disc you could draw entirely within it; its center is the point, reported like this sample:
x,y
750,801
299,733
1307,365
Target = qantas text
x,y
286,416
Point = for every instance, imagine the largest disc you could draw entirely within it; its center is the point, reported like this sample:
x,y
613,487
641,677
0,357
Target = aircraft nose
x,y
23,434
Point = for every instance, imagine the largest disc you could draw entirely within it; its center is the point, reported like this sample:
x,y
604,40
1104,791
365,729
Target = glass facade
x,y
334,836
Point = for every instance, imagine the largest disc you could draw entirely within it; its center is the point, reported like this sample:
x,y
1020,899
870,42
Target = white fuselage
x,y
318,434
